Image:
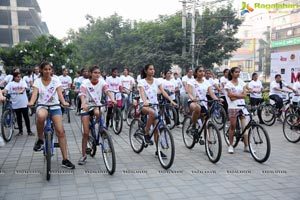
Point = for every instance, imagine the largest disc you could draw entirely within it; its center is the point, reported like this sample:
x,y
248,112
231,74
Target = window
x,y
5,3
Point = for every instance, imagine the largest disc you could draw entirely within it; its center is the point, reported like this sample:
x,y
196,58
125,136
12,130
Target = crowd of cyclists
x,y
189,94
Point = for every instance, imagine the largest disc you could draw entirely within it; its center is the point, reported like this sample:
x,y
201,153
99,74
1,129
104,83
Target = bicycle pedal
x,y
56,145
201,142
145,145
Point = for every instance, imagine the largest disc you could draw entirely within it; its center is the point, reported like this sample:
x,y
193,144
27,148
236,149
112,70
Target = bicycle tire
x,y
107,147
236,134
93,147
291,128
188,138
136,136
48,154
212,136
7,127
131,114
256,136
172,115
165,146
117,121
268,114
218,116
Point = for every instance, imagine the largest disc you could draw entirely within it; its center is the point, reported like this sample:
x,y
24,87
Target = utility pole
x,y
193,33
184,27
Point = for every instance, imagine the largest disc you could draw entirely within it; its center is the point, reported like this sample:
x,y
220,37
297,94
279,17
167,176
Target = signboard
x,y
286,42
287,64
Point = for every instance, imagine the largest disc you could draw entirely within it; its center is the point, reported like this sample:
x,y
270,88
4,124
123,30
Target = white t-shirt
x,y
34,76
98,89
126,81
170,86
151,90
114,85
18,100
65,81
44,90
76,83
200,90
2,77
296,86
8,78
255,86
235,90
178,83
27,80
273,91
223,80
186,80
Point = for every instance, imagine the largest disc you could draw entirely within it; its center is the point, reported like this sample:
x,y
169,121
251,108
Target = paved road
x,y
140,176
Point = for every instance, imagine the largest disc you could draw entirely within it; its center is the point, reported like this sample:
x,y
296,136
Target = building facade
x,y
20,22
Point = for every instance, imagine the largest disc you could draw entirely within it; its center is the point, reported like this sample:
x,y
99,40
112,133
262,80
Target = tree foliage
x,y
115,42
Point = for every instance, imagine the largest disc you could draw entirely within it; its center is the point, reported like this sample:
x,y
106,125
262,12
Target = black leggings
x,y
278,101
19,113
256,102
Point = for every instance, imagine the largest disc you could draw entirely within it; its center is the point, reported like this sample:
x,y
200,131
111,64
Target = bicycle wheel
x,y
48,155
7,127
291,128
218,116
213,143
236,133
268,114
136,136
259,143
117,121
165,148
170,113
187,136
91,146
108,152
131,114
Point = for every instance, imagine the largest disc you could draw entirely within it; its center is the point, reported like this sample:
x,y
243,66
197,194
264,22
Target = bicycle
x,y
116,117
165,145
291,125
8,118
212,138
126,103
100,137
170,113
257,135
133,110
218,114
49,143
66,94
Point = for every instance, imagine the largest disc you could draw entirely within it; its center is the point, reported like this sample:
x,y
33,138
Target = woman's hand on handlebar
x,y
85,107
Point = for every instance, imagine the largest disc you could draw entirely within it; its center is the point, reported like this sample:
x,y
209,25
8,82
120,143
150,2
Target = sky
x,y
62,15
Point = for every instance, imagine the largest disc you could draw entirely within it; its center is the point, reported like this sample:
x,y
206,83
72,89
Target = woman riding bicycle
x,y
276,92
148,88
197,90
48,90
90,94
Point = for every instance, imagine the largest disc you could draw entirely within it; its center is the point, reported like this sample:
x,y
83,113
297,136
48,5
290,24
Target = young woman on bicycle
x,y
90,94
148,88
17,89
48,90
197,90
276,90
236,93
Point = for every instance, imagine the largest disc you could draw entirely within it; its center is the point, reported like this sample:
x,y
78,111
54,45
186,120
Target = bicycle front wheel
x,y
170,117
291,128
7,125
218,116
48,154
213,143
187,136
117,121
165,148
108,152
131,114
259,143
91,148
136,136
268,115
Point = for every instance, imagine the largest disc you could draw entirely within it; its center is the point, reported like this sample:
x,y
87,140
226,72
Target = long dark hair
x,y
254,74
231,71
280,83
143,72
15,74
43,65
93,68
196,70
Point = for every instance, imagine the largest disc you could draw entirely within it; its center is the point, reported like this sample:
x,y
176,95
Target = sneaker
x,y
67,164
230,149
246,149
39,145
2,143
179,126
164,156
148,139
20,133
82,160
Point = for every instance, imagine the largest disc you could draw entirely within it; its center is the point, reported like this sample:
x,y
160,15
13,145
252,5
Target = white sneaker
x,y
230,149
179,126
2,143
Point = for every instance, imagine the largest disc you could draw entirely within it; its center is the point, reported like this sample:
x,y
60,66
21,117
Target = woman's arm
x,y
33,96
166,95
61,96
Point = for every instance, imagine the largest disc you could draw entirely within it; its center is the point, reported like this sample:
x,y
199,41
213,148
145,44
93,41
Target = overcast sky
x,y
62,15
